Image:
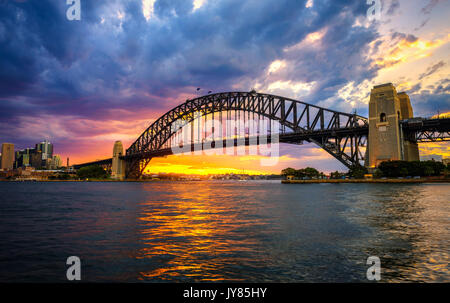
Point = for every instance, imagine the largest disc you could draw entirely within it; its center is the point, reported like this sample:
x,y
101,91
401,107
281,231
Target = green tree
x,y
311,172
357,171
337,175
378,174
393,169
288,172
92,172
64,177
447,172
428,171
413,168
432,168
301,173
403,171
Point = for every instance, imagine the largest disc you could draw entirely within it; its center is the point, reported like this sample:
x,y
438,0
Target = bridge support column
x,y
386,139
118,165
411,148
134,168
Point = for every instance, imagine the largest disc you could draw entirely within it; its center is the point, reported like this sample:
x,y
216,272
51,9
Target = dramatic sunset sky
x,y
84,84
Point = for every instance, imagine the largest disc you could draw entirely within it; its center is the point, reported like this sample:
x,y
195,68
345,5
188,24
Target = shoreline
x,y
422,180
319,181
94,180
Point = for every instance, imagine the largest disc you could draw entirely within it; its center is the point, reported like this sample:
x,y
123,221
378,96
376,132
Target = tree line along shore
x,y
389,171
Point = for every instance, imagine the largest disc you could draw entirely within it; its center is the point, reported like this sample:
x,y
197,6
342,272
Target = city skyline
x,y
85,84
40,156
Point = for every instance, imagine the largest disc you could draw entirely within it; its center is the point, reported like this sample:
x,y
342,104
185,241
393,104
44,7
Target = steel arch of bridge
x,y
340,134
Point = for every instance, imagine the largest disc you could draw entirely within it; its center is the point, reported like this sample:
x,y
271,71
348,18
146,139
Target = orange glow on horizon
x,y
189,170
209,165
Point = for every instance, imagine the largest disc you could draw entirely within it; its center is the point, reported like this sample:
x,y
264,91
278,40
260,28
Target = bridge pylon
x,y
118,165
387,141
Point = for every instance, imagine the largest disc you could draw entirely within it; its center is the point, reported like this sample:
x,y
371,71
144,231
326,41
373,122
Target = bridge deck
x,y
424,130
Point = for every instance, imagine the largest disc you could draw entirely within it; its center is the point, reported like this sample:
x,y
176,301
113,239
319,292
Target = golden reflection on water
x,y
205,232
190,228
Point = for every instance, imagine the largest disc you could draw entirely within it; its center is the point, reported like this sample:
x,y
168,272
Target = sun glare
x,y
198,4
147,8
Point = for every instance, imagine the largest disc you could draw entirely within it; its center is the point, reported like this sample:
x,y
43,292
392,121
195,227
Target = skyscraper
x,y
23,157
46,148
7,156
36,159
56,162
28,157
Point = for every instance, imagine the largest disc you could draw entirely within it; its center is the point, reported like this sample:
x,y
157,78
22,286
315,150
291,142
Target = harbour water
x,y
256,231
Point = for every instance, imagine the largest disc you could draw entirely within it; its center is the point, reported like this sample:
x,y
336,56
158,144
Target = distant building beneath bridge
x,y
437,158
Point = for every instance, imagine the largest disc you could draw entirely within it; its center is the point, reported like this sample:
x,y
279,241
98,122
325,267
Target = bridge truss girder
x,y
426,130
340,134
432,136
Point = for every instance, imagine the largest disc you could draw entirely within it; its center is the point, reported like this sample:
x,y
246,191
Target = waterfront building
x,y
7,162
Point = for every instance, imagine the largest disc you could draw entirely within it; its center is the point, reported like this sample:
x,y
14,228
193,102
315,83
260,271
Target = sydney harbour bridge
x,y
345,136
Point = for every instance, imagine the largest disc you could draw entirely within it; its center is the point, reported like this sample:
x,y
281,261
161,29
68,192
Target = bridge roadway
x,y
291,138
426,130
419,129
